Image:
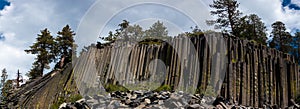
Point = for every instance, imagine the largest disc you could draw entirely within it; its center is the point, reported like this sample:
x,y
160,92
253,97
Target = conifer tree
x,y
227,14
43,48
252,28
3,77
6,90
296,44
157,30
65,43
281,38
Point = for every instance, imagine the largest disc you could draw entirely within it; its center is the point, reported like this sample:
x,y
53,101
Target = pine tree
x,y
227,13
3,77
252,28
157,30
6,90
65,42
121,33
281,38
43,48
196,31
33,73
111,37
135,31
296,44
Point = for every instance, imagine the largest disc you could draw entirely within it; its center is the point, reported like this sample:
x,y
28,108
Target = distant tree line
x,y
251,27
7,86
230,20
127,32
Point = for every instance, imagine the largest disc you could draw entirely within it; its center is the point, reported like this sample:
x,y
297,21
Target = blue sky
x,y
291,4
3,3
21,20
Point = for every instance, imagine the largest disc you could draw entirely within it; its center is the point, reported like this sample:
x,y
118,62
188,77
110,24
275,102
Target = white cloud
x,y
107,14
22,21
295,2
13,58
271,11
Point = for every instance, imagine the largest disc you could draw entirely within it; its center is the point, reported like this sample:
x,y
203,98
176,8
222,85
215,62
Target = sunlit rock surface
x,y
239,70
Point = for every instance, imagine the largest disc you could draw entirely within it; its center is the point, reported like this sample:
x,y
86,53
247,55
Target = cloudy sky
x,y
22,20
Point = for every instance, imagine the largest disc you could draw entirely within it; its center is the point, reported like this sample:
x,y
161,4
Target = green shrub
x,y
163,88
75,97
199,90
112,88
58,103
55,106
210,91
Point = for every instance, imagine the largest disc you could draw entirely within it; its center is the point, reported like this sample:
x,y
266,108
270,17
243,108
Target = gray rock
x,y
179,104
180,92
127,102
133,97
81,100
175,97
134,104
170,104
62,106
114,104
160,102
92,101
194,106
147,101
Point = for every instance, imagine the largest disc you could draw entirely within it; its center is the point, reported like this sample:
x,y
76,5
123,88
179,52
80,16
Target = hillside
x,y
48,91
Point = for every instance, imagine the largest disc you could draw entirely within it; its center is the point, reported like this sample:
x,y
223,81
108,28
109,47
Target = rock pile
x,y
150,99
80,104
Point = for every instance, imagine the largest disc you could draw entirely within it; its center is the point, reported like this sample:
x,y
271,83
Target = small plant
x,y
298,99
58,103
163,88
54,106
210,91
112,88
200,90
233,60
75,97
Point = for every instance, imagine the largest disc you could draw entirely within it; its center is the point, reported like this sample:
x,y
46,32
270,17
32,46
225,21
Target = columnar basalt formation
x,y
245,72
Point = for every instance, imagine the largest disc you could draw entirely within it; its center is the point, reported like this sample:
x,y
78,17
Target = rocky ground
x,y
156,100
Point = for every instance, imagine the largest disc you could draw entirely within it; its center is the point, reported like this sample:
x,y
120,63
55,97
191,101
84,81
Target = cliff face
x,y
241,70
247,73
